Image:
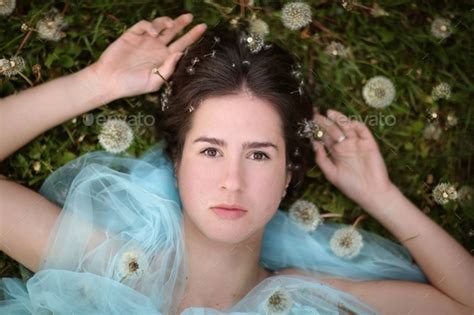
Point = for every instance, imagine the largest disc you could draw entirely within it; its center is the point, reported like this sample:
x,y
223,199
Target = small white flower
x,y
378,92
279,303
116,136
259,27
132,264
336,49
51,27
12,66
444,192
7,7
432,132
305,214
442,90
346,242
296,15
441,28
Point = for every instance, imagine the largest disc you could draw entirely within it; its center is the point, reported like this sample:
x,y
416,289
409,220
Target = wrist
x,y
381,200
97,86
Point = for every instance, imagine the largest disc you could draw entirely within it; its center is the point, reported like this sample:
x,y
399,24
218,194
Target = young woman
x,y
198,230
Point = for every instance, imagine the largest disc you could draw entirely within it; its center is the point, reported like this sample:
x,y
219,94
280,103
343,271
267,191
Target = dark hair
x,y
222,63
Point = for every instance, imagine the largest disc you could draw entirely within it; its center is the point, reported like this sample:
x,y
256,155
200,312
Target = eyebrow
x,y
246,145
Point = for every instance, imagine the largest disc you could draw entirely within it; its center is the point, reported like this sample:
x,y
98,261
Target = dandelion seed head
x,y
346,242
441,91
441,28
305,214
12,66
51,27
451,120
259,27
378,92
296,15
444,192
7,7
116,136
279,303
132,264
432,132
336,49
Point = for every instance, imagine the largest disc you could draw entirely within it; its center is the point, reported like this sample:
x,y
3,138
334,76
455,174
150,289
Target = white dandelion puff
x,y
116,136
7,7
131,265
336,49
259,27
441,28
305,214
279,303
442,90
12,66
346,242
378,92
296,15
51,27
444,192
432,132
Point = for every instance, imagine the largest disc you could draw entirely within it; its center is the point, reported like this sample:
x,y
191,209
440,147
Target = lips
x,y
229,212
233,207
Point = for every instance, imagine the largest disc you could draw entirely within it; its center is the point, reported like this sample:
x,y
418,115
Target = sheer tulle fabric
x,y
117,248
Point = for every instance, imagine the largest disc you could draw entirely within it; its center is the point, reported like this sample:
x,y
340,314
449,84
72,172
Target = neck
x,y
219,274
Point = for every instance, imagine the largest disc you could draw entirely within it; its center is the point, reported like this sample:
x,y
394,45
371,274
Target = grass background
x,y
399,46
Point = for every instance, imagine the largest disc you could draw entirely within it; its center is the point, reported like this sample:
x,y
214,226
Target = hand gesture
x,y
128,66
353,163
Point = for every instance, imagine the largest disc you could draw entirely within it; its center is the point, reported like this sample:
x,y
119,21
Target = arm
x,y
124,69
356,167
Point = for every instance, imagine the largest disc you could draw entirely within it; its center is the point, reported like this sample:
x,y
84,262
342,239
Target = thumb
x,y
168,67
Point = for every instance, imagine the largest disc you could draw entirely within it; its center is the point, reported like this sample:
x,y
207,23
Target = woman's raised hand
x,y
125,68
353,163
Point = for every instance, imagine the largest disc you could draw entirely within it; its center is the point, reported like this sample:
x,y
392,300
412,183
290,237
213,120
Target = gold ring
x,y
341,138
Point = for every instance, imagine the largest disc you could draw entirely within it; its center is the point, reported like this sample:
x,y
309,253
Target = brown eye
x,y
260,156
211,152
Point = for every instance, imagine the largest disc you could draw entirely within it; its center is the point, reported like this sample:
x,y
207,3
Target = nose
x,y
232,175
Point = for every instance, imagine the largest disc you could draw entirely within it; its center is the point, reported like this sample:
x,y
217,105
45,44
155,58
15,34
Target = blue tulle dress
x,y
117,248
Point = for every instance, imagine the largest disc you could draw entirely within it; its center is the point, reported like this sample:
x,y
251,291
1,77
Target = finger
x,y
162,23
362,130
189,38
143,27
179,24
333,132
323,160
168,67
342,122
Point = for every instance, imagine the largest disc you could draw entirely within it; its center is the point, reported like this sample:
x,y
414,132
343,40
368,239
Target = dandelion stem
x,y
26,78
357,221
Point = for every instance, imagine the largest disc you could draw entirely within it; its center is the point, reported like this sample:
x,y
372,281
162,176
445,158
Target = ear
x,y
288,178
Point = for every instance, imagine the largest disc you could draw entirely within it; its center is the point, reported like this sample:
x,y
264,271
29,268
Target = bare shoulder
x,y
390,296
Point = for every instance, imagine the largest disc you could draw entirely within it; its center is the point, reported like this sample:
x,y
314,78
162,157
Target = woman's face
x,y
234,154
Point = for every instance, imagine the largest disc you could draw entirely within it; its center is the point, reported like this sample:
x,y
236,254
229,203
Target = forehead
x,y
237,116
